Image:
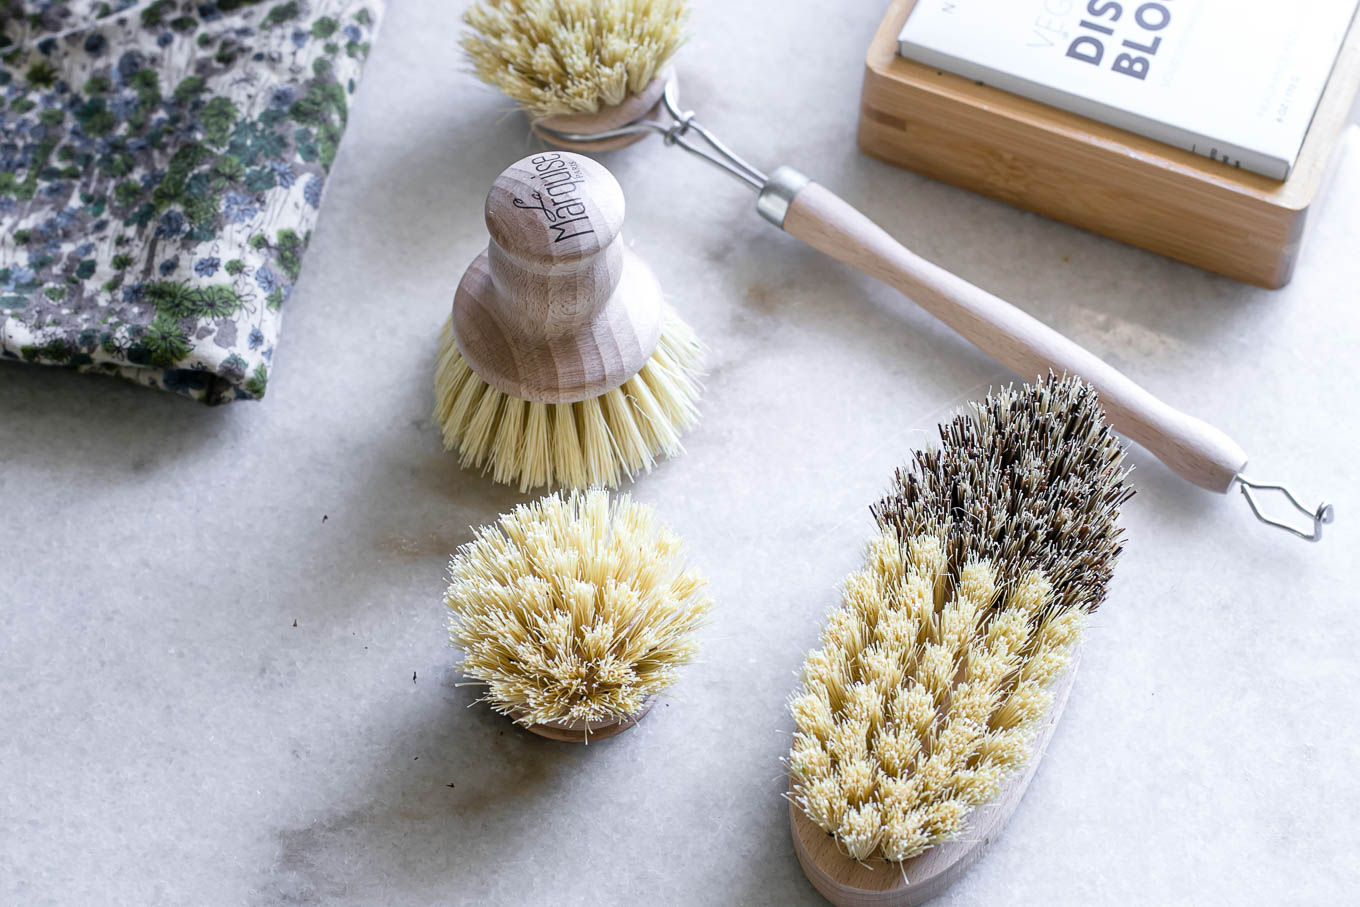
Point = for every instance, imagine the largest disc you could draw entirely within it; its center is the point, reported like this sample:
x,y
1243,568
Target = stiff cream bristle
x,y
933,711
574,608
935,674
572,56
598,441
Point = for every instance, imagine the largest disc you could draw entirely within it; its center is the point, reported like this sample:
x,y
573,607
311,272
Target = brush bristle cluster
x,y
574,608
1028,479
597,441
572,56
923,698
936,672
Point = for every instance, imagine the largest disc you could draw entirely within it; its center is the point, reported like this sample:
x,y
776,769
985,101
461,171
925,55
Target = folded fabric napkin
x,y
161,167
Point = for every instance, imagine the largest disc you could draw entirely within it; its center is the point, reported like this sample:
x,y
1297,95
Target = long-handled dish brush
x,y
567,62
574,611
561,364
939,679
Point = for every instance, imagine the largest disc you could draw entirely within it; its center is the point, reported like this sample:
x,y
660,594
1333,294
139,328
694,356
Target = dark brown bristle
x,y
1029,479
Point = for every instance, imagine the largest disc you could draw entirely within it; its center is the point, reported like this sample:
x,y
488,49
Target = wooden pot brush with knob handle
x,y
939,680
561,363
587,71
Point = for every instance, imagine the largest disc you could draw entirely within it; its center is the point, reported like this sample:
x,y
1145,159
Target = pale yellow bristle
x,y
567,452
572,56
599,441
860,830
481,430
809,757
629,446
510,435
531,457
924,697
574,608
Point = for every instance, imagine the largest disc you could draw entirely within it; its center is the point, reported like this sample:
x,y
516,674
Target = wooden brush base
x,y
578,732
557,309
877,883
1137,190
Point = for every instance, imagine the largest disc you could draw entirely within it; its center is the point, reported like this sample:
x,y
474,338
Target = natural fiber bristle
x,y
597,441
572,56
574,608
1029,479
935,673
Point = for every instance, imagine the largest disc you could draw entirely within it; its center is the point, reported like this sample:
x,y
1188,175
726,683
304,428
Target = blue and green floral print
x,y
161,168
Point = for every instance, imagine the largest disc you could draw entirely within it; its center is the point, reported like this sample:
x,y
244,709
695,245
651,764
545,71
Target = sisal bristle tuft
x,y
599,441
934,675
572,56
1030,479
574,608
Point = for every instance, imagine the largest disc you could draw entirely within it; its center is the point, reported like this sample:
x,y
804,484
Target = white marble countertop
x,y
224,672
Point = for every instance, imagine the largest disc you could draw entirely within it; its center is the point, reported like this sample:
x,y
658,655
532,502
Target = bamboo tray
x,y
1073,169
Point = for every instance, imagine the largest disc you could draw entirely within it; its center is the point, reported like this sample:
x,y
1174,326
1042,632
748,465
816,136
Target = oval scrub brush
x,y
561,364
574,611
939,679
568,61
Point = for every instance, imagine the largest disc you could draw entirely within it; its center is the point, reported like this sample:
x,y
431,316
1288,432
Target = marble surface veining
x,y
224,676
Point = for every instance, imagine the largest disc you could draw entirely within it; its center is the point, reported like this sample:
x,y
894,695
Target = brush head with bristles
x,y
574,609
935,673
556,57
597,441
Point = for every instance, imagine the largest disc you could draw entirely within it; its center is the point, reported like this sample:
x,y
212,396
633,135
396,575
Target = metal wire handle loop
x,y
1320,517
720,156
683,123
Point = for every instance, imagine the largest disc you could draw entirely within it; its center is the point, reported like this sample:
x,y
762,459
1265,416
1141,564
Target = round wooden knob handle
x,y
556,309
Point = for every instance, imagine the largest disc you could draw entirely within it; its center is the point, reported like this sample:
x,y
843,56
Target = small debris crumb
x,y
413,677
450,784
295,621
324,517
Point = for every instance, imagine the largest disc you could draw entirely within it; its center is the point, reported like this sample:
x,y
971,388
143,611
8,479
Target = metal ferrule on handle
x,y
778,193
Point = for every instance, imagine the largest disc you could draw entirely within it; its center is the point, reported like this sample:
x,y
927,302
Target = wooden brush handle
x,y
1192,448
556,309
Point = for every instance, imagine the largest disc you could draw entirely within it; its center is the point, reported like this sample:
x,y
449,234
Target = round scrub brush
x,y
614,50
939,679
575,612
561,364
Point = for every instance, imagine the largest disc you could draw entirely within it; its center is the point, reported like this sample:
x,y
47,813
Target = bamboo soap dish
x,y
1137,190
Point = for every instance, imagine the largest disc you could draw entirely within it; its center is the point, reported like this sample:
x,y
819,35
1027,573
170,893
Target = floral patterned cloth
x,y
161,167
